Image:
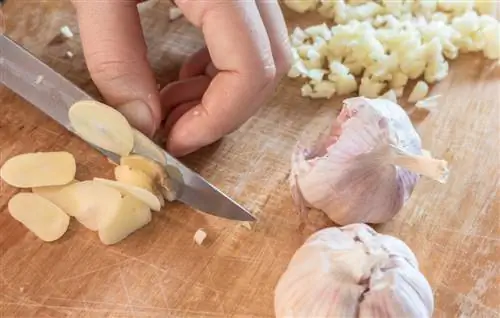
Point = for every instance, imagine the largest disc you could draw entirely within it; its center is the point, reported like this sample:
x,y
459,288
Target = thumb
x,y
116,56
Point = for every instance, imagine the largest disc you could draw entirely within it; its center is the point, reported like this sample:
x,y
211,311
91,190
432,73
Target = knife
x,y
53,94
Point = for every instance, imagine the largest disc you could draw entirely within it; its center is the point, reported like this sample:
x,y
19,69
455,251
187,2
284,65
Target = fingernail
x,y
139,116
211,70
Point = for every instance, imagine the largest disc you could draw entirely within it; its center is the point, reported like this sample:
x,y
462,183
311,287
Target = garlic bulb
x,y
353,271
365,167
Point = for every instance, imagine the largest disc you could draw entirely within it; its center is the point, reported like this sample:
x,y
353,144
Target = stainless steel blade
x,y
52,93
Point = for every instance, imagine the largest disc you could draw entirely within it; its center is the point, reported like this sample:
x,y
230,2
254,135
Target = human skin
x,y
218,89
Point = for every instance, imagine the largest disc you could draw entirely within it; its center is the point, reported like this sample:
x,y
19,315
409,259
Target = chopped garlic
x,y
369,88
320,30
69,54
246,225
399,79
323,89
66,31
387,43
429,103
399,91
298,69
174,13
200,236
316,74
298,36
419,92
306,90
346,85
301,6
486,7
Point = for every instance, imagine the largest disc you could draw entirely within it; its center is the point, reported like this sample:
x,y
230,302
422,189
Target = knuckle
x,y
269,72
109,69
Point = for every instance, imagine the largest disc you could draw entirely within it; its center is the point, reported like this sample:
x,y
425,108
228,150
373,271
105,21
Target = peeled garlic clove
x,y
130,215
102,126
126,174
353,271
365,167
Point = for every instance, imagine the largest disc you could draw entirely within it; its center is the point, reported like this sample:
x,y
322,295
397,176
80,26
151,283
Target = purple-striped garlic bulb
x,y
353,271
365,166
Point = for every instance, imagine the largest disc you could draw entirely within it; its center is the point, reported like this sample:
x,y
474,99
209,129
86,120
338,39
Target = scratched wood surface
x,y
159,272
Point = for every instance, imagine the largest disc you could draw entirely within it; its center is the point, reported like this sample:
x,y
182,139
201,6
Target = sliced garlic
x,y
39,169
155,171
138,178
141,194
129,216
43,218
102,126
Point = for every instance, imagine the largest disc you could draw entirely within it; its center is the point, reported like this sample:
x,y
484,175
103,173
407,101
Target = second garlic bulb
x,y
353,272
365,167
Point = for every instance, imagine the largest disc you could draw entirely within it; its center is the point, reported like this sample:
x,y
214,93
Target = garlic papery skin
x,y
353,271
365,167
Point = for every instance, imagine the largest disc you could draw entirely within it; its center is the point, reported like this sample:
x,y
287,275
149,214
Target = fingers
x,y
274,22
183,91
177,113
116,56
195,65
241,52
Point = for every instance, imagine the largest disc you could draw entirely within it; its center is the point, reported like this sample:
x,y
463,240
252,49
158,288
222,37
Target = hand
x,y
219,87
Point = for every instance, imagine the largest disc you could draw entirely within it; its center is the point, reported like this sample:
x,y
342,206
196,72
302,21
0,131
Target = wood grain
x,y
159,272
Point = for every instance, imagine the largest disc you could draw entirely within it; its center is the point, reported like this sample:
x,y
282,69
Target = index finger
x,y
240,49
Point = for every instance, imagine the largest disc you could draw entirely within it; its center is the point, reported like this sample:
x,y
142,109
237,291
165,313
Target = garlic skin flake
x,y
353,271
365,167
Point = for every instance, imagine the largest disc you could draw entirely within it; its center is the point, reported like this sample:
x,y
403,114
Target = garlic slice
x,y
365,167
102,126
353,271
42,217
141,194
39,169
129,216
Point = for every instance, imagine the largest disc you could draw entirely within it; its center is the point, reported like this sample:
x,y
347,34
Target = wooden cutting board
x,y
159,272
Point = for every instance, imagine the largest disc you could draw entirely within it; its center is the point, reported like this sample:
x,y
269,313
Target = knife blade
x,y
53,94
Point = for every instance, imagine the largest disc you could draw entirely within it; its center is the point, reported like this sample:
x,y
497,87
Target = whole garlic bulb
x,y
365,167
353,271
